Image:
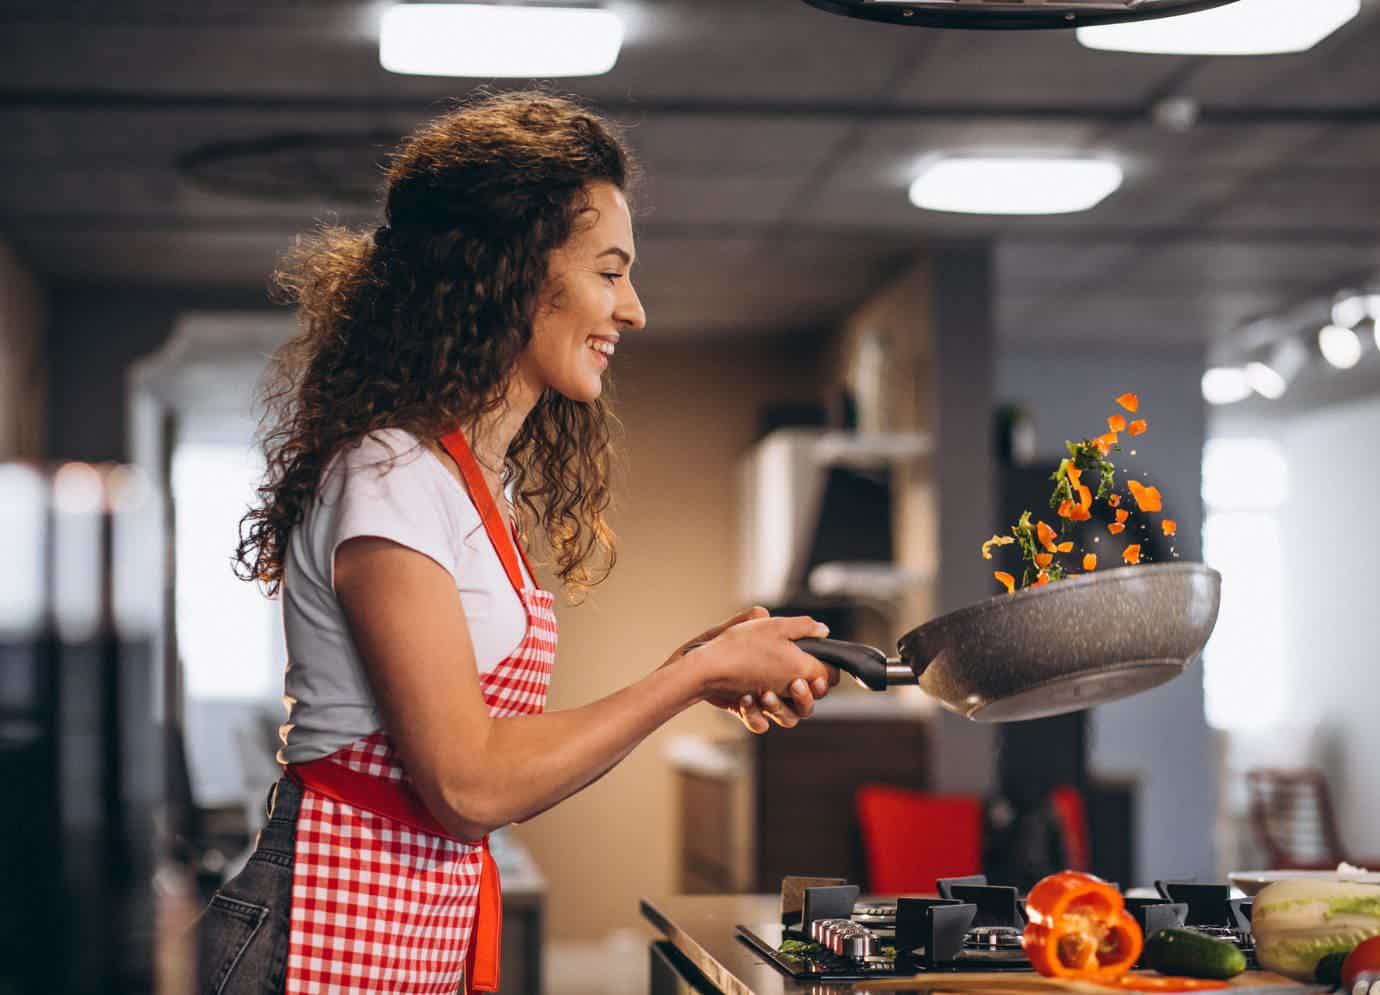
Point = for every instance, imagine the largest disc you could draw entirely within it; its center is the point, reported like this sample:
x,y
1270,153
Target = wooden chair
x,y
1291,814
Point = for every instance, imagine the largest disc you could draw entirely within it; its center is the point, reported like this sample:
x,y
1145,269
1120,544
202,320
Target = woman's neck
x,y
493,434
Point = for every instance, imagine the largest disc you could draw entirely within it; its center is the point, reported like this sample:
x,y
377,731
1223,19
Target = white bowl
x,y
1252,881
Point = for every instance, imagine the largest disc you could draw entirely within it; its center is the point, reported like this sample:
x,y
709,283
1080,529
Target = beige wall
x,y
22,366
690,410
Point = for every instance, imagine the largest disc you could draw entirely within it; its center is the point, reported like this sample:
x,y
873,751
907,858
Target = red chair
x,y
912,838
1072,816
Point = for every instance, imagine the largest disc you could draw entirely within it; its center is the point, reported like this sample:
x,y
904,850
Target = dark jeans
x,y
242,937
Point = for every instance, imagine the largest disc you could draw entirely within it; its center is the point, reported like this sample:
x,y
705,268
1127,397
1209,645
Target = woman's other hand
x,y
756,671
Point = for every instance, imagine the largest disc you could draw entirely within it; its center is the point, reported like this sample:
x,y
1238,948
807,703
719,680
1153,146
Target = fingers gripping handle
x,y
866,664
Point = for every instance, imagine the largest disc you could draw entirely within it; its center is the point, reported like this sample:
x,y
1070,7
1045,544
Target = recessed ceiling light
x,y
1225,385
1014,184
1340,346
488,40
1247,27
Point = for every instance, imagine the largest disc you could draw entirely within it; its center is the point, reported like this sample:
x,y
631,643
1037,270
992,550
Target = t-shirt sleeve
x,y
387,489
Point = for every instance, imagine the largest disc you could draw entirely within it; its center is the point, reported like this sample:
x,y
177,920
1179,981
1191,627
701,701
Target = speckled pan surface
x,y
1067,645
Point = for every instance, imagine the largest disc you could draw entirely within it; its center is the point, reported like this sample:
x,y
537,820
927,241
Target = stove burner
x,y
992,938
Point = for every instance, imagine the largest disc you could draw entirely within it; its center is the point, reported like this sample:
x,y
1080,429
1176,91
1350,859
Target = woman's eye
x,y
612,276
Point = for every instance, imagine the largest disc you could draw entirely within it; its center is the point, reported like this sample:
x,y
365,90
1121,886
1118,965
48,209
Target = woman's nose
x,y
629,311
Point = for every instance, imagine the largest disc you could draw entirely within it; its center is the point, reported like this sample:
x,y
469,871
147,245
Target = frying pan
x,y
1049,650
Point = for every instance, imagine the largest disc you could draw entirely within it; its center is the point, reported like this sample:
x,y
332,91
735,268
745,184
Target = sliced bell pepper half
x,y
1079,929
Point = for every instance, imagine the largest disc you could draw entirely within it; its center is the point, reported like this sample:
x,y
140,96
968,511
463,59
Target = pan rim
x,y
1116,575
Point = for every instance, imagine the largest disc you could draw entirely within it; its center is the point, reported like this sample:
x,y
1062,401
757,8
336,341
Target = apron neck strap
x,y
505,544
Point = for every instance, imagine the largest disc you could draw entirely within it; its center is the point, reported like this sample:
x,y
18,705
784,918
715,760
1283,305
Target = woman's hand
x,y
758,665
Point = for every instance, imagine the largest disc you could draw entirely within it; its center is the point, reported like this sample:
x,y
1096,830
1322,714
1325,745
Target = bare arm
x,y
475,772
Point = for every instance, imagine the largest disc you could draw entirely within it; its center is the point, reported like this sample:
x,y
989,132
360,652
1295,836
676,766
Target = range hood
x,y
1011,13
816,507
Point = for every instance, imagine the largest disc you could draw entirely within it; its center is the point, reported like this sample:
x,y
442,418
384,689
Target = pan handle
x,y
866,664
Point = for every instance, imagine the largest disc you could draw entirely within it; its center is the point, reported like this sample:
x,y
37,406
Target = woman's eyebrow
x,y
615,251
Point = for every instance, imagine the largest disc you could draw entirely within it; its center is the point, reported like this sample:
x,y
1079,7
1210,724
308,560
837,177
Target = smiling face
x,y
588,303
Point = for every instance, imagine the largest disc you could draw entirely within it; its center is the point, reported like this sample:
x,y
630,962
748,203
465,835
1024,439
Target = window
x,y
1245,483
229,635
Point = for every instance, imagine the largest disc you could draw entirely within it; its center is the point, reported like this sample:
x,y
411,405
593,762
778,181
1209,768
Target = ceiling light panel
x,y
487,40
1247,27
1014,184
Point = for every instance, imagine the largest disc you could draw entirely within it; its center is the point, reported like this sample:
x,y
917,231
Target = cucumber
x,y
1188,954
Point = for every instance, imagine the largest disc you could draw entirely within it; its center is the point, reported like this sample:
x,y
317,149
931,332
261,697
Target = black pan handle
x,y
866,664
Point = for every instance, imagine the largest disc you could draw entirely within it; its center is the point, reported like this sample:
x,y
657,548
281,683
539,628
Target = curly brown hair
x,y
419,324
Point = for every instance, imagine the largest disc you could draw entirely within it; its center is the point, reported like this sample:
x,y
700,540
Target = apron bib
x,y
383,898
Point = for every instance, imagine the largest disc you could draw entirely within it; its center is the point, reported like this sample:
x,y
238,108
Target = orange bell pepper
x,y
1079,928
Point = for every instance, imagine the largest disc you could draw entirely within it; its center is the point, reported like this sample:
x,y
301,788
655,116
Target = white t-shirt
x,y
416,503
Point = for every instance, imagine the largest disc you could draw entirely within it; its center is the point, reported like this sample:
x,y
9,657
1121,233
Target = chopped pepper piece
x,y
1114,500
1116,423
1116,528
1090,562
1043,560
1122,514
1006,580
1170,527
1046,535
1066,509
1066,547
1137,427
1130,402
1147,498
1131,554
1079,929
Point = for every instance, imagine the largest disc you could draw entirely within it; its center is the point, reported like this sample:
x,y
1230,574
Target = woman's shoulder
x,y
391,466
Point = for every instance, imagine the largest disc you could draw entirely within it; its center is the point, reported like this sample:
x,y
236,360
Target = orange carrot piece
x,y
1147,498
1116,423
1131,554
1116,528
1130,402
1006,580
1170,527
1137,427
1090,562
1046,535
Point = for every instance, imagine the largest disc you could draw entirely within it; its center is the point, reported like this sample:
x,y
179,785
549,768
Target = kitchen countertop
x,y
702,928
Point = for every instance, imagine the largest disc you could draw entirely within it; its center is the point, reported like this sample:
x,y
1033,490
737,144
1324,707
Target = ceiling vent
x,y
1011,13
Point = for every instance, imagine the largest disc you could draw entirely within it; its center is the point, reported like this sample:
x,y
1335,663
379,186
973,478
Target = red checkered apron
x,y
384,900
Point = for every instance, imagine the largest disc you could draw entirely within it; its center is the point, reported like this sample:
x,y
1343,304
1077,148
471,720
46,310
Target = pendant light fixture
x,y
1011,13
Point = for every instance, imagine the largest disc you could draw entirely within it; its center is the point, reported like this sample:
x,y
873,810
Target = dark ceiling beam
x,y
41,223
859,111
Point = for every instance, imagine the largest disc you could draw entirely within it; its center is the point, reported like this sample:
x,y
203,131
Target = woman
x,y
452,358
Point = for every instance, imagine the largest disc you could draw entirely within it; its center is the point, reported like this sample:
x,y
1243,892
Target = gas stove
x,y
828,934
